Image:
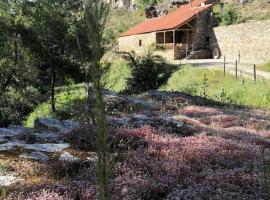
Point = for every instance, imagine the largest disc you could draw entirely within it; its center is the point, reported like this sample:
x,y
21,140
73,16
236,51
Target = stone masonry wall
x,y
204,24
252,39
131,43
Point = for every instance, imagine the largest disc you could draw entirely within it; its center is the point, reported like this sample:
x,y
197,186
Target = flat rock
x,y
68,157
118,121
47,137
11,145
56,125
5,132
20,129
35,156
8,180
49,147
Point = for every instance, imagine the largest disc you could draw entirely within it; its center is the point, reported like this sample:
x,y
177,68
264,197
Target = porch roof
x,y
171,21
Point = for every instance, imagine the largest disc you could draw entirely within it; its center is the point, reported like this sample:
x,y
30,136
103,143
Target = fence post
x,y
236,69
255,75
239,55
224,65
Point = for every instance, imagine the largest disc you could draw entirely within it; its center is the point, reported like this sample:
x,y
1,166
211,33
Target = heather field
x,y
162,146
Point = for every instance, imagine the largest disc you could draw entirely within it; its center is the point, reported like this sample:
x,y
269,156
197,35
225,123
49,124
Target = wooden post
x,y
187,38
255,75
239,57
164,38
174,44
236,69
224,65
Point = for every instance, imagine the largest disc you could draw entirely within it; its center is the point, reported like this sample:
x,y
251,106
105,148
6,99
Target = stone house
x,y
185,33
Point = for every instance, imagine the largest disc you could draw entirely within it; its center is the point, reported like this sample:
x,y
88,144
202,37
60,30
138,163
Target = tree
x,y
49,39
95,17
17,71
143,3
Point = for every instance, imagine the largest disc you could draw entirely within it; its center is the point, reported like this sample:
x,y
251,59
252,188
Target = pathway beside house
x,y
245,69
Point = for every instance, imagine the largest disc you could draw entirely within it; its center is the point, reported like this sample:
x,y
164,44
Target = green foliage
x,y
225,89
117,76
71,99
223,97
204,86
70,104
230,15
118,21
95,16
264,67
34,45
143,3
4,191
148,71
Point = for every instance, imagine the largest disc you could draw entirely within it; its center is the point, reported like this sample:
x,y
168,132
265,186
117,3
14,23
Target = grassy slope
x,y
255,10
244,92
265,67
213,85
74,96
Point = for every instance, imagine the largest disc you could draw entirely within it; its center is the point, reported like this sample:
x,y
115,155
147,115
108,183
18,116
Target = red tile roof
x,y
171,21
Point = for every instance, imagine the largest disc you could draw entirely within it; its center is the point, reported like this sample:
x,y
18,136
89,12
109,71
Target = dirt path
x,y
243,68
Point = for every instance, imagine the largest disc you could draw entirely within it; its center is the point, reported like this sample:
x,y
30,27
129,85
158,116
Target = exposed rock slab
x,y
11,145
68,157
50,147
35,156
8,180
56,125
5,132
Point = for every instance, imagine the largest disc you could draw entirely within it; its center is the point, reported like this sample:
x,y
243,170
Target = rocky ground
x,y
162,146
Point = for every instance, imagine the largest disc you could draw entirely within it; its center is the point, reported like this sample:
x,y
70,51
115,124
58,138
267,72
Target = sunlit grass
x,y
214,84
264,67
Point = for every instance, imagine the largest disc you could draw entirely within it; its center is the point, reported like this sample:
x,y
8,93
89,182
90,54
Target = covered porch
x,y
180,40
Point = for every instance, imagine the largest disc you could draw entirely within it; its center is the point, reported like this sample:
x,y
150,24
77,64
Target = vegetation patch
x,y
214,85
264,67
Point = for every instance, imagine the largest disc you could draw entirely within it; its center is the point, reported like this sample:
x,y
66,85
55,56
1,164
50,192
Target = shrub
x,y
229,15
148,71
83,138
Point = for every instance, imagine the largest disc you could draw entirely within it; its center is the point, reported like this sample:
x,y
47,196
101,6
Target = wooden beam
x,y
192,27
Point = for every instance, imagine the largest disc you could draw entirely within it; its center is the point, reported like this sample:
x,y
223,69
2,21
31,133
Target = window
x,y
140,43
207,39
178,37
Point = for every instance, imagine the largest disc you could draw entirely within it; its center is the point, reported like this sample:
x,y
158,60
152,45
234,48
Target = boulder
x,y
47,137
8,180
9,133
56,125
49,147
35,156
11,145
68,157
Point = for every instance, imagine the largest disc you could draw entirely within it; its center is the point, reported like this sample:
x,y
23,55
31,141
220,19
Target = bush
x,y
230,15
16,104
148,72
83,138
217,87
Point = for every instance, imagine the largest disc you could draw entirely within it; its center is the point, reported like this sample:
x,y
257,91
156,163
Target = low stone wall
x,y
132,42
252,39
